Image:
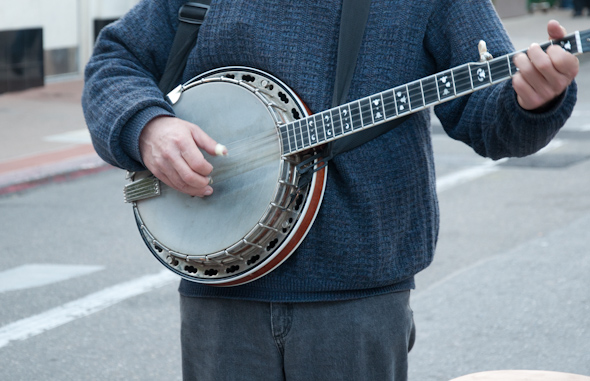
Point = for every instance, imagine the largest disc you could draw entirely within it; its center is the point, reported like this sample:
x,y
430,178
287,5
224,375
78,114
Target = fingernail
x,y
220,150
208,191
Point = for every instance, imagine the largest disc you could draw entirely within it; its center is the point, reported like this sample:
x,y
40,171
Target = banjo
x,y
269,188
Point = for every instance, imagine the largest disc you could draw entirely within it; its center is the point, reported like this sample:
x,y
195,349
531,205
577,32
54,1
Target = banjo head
x,y
245,225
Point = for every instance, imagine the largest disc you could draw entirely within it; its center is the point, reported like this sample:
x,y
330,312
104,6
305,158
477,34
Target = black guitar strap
x,y
355,14
352,26
190,17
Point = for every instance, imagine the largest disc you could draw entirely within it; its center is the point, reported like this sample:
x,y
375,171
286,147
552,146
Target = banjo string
x,y
250,143
245,155
232,169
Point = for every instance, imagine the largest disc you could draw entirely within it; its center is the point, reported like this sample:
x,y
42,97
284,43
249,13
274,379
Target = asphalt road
x,y
508,289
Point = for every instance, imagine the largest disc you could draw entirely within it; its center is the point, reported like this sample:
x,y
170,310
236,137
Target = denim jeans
x,y
362,339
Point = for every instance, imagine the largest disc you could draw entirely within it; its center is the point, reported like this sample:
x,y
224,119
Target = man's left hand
x,y
543,76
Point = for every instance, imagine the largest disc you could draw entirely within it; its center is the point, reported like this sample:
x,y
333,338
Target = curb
x,y
21,179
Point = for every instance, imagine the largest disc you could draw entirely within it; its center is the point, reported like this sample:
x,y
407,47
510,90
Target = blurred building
x,y
511,8
42,39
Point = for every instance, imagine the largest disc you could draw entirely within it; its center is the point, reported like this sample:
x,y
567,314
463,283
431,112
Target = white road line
x,y
37,275
460,177
35,325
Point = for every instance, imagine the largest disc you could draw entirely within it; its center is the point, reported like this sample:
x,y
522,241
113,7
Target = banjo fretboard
x,y
364,113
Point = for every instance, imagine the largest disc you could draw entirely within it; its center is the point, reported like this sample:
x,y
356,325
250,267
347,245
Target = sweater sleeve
x,y
121,94
490,120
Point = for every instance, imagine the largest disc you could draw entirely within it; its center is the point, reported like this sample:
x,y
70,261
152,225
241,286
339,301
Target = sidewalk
x,y
43,134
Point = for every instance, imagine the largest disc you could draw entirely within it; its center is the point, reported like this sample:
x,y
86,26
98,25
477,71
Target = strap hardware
x,y
193,13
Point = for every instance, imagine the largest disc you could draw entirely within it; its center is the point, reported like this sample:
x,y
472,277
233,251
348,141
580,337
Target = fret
x,y
345,118
327,119
429,90
313,135
462,79
389,104
569,44
336,123
416,97
453,79
366,117
284,131
305,133
444,82
377,108
319,127
422,91
512,66
296,133
402,99
480,75
355,115
299,135
292,139
499,69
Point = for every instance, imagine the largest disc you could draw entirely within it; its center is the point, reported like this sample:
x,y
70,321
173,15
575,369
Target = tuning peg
x,y
483,52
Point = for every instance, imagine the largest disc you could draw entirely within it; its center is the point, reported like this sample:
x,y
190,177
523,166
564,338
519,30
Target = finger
x,y
564,62
538,71
206,143
526,83
526,68
188,183
173,170
555,30
527,97
194,158
542,67
190,178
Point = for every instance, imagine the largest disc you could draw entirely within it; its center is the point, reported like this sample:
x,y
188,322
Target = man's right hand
x,y
170,149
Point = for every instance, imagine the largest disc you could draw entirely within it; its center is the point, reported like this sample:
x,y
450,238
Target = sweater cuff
x,y
553,114
534,129
133,128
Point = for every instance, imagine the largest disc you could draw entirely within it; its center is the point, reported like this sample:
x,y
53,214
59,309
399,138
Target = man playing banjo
x,y
338,307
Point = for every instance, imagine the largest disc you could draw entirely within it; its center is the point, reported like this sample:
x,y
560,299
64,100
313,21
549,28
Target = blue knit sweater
x,y
378,224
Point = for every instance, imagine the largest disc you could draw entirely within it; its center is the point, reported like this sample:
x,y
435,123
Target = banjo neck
x,y
335,123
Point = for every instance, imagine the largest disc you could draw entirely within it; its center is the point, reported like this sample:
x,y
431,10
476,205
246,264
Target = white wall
x,y
65,23
108,9
58,18
97,9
